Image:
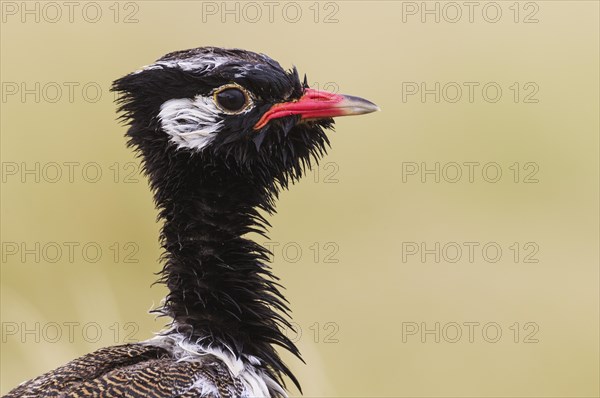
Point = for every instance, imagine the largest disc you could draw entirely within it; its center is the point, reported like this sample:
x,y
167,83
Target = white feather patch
x,y
255,381
191,123
203,63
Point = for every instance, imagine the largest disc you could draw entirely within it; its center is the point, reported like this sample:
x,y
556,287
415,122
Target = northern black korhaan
x,y
219,132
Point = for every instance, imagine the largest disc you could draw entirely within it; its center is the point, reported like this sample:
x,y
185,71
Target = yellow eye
x,y
232,98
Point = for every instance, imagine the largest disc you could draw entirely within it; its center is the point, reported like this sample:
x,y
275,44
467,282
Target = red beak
x,y
315,104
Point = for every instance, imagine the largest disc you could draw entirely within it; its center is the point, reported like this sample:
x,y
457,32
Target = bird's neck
x,y
220,291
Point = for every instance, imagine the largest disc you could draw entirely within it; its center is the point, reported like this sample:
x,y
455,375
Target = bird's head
x,y
233,107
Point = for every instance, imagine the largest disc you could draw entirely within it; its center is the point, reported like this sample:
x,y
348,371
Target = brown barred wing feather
x,y
132,371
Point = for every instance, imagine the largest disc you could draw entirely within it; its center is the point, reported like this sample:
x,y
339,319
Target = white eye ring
x,y
249,102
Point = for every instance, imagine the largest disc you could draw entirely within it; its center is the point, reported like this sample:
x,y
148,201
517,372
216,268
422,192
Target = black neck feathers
x,y
210,198
221,292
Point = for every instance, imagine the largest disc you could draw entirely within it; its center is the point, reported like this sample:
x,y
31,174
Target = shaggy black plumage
x,y
214,173
220,288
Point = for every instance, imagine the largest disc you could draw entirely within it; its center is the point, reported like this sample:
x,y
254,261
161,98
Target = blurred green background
x,y
366,245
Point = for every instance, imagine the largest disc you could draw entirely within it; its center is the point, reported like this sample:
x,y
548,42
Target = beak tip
x,y
375,107
359,106
368,108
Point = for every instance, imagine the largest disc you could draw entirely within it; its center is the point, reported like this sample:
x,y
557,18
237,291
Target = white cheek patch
x,y
191,123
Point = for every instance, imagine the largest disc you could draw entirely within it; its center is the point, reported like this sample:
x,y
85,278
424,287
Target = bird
x,y
220,132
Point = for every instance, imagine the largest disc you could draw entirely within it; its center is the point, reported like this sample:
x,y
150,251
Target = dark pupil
x,y
231,99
